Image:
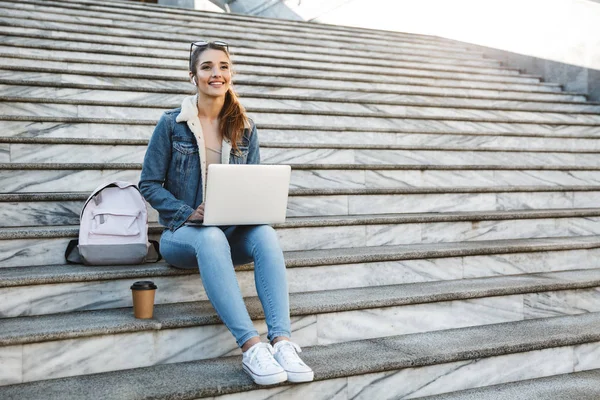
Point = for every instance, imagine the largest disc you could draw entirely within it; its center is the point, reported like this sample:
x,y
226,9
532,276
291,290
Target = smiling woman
x,y
210,72
212,127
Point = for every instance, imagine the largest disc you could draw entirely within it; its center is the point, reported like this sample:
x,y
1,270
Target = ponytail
x,y
233,119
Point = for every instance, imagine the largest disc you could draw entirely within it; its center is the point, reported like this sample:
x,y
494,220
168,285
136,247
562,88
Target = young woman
x,y
212,127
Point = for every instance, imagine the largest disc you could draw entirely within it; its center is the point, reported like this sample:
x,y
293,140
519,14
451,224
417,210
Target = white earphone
x,y
194,81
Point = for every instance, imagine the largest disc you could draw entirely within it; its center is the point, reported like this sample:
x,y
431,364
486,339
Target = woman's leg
x,y
207,248
259,243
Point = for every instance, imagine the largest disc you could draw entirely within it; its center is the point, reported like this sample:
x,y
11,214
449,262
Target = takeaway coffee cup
x,y
143,299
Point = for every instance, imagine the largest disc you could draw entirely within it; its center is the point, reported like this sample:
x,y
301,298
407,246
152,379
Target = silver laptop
x,y
246,194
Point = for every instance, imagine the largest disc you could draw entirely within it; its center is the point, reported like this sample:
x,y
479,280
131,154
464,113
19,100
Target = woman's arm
x,y
253,147
173,212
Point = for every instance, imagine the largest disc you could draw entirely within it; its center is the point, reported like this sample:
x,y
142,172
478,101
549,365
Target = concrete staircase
x,y
444,219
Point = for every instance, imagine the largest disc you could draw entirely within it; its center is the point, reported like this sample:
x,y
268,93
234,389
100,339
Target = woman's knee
x,y
178,253
210,237
264,233
263,238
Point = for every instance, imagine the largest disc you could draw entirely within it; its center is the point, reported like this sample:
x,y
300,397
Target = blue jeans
x,y
215,250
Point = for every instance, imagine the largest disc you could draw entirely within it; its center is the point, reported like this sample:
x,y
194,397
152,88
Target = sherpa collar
x,y
189,114
189,110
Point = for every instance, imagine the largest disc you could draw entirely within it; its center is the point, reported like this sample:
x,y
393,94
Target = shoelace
x,y
262,353
289,352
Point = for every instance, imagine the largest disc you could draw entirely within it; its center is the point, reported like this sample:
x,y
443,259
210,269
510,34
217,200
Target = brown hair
x,y
232,118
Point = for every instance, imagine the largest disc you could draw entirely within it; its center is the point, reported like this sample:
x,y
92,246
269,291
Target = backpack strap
x,y
153,252
72,253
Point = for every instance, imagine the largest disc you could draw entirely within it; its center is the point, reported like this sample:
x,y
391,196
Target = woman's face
x,y
213,73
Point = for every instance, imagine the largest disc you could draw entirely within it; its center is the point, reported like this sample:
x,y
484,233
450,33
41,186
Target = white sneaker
x,y
258,362
286,354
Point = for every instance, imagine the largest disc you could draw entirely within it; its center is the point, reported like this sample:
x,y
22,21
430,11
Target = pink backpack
x,y
113,228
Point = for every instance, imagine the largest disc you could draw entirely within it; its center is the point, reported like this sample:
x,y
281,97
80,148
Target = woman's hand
x,y
198,214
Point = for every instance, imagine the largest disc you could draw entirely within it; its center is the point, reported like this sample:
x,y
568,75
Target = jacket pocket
x,y
185,147
240,156
184,161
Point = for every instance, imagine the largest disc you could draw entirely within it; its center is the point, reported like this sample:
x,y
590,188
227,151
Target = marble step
x,y
297,99
34,80
362,179
167,31
190,331
329,269
84,107
29,44
47,209
328,179
139,133
575,291
82,288
105,142
416,75
27,126
55,51
155,34
303,177
167,47
427,124
319,154
583,385
45,244
293,76
524,123
97,16
25,207
279,134
338,201
405,366
22,209
341,35
129,10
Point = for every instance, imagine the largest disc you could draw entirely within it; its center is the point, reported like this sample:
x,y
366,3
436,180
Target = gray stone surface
x,y
143,20
324,155
49,274
23,132
257,83
286,44
143,13
283,67
572,77
23,144
575,386
316,221
55,52
252,95
221,376
92,323
164,46
75,81
18,107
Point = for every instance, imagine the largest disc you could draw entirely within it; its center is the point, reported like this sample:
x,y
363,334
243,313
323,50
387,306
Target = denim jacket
x,y
175,163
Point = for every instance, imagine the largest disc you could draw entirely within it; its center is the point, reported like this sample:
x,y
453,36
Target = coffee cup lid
x,y
144,285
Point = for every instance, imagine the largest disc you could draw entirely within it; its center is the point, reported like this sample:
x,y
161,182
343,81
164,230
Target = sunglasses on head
x,y
204,43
